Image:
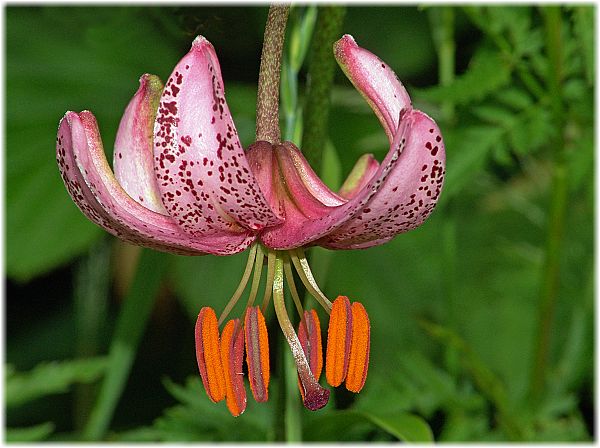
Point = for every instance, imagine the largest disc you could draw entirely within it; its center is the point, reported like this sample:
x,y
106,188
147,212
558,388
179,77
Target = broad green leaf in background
x,y
51,378
583,24
74,61
196,419
29,434
403,426
349,425
487,73
468,148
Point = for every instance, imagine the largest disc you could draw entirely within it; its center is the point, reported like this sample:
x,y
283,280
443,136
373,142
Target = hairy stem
x,y
320,80
267,103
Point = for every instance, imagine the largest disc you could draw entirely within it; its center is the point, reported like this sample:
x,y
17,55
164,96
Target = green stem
x,y
267,103
558,204
91,298
442,21
302,23
129,329
320,81
293,402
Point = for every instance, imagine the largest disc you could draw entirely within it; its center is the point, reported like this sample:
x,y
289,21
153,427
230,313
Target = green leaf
x,y
88,66
29,434
487,73
467,149
403,426
583,25
51,378
196,418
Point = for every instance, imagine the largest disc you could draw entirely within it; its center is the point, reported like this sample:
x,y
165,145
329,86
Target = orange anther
x,y
339,337
257,353
359,349
232,357
309,333
208,354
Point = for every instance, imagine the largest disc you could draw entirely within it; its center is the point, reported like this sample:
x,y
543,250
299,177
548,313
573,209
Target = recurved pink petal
x,y
396,196
95,190
408,195
364,169
286,237
201,169
375,80
294,190
133,156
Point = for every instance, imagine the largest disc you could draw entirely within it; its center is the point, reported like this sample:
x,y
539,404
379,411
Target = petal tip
x,y
341,46
149,80
200,41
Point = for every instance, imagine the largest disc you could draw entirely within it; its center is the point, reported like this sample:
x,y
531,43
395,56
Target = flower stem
x,y
442,23
267,103
558,203
320,81
130,326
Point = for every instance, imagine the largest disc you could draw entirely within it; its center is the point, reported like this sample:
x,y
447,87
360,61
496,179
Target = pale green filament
x,y
270,275
258,264
303,269
306,376
240,289
289,275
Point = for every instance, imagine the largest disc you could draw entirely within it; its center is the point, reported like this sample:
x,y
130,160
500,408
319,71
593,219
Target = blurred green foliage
x,y
454,305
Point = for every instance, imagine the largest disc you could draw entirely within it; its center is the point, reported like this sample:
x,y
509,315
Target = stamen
x,y
240,289
315,396
303,269
258,264
257,353
232,357
208,354
339,338
289,275
359,350
270,275
309,334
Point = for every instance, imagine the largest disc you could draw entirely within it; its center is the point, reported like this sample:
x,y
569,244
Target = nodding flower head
x,y
183,183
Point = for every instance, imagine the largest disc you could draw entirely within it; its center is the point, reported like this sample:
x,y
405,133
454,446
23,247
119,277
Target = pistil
x,y
315,396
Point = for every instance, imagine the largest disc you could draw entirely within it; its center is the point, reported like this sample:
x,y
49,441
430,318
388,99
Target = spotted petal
x,y
363,171
407,197
97,193
334,216
383,200
375,80
202,172
133,155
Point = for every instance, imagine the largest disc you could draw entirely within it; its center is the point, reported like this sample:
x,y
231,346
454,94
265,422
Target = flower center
x,y
220,360
280,269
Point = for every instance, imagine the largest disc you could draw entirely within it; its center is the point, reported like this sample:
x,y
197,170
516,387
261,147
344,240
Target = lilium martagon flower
x,y
183,183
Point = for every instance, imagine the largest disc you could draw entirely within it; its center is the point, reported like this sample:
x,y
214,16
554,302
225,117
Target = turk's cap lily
x,y
183,183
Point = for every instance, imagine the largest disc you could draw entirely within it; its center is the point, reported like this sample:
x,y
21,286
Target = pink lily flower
x,y
183,183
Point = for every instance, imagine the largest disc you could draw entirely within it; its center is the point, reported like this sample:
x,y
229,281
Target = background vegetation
x,y
482,319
